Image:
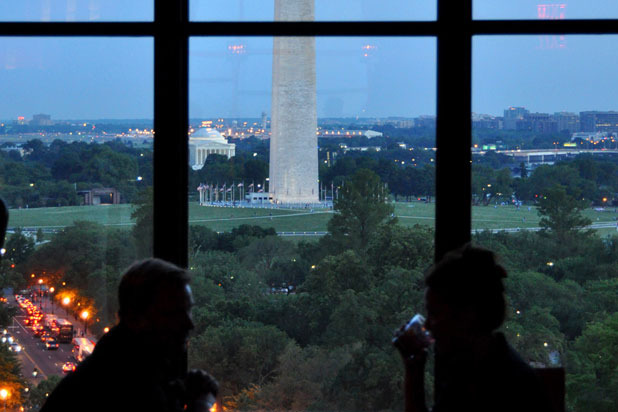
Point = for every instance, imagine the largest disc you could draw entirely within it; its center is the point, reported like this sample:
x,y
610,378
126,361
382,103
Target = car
x,y
15,347
68,367
51,344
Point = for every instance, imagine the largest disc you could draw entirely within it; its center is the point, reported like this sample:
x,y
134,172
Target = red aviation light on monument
x,y
237,48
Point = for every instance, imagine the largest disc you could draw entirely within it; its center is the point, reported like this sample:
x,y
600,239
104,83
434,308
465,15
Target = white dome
x,y
208,134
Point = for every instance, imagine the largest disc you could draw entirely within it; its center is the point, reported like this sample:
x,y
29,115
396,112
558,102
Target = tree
x,y
592,383
143,216
38,394
10,377
561,213
19,247
239,354
360,209
523,171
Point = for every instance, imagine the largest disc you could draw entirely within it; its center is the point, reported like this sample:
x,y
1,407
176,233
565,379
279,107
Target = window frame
x,y
171,29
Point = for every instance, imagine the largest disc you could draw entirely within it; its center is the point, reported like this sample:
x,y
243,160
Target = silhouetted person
x,y
476,369
140,364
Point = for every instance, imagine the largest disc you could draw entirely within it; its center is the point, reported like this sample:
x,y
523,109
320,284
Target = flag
x,y
229,190
251,185
260,191
240,185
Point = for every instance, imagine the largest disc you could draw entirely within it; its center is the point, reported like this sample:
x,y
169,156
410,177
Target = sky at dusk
x,y
92,78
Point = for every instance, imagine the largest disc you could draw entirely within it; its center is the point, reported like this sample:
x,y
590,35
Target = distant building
x,y
41,120
334,133
205,142
567,121
425,121
259,197
397,122
486,121
512,115
590,136
599,121
538,122
101,196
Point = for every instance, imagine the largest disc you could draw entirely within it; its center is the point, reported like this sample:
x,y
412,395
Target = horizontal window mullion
x,y
476,27
522,27
313,29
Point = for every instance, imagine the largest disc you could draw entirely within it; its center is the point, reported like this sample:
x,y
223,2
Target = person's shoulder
x,y
522,380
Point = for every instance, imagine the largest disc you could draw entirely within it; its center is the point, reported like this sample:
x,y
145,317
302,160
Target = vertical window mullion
x,y
170,215
453,130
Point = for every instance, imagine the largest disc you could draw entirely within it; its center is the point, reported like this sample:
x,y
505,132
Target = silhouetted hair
x,y
469,277
4,220
142,281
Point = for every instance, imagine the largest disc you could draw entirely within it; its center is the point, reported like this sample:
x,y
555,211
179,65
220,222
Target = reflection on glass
x,y
339,10
545,161
544,9
307,292
76,172
76,10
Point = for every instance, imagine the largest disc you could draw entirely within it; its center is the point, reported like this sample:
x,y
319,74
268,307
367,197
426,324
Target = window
x,y
76,10
356,10
451,27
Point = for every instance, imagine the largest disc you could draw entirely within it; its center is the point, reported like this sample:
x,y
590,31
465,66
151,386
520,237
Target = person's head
x,y
155,302
4,220
465,294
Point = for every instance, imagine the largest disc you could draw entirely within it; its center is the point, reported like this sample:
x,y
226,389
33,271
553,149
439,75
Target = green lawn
x,y
302,220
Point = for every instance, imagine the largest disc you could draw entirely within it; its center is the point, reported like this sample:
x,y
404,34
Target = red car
x,y
68,367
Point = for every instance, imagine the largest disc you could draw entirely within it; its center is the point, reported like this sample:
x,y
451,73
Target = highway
x,y
34,354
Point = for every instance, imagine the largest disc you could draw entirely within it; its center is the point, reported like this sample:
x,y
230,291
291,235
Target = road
x,y
34,354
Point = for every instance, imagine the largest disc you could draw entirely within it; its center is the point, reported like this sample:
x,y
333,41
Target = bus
x,y
65,331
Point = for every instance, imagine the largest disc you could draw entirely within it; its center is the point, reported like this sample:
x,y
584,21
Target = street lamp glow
x,y
84,315
66,301
4,394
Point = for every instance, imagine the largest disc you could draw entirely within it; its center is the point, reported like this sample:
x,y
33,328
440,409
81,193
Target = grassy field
x,y
225,218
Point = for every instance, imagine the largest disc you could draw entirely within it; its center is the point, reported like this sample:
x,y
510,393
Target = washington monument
x,y
293,142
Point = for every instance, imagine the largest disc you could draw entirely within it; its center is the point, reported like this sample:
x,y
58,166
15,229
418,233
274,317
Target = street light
x,y
84,315
51,297
4,394
40,282
65,302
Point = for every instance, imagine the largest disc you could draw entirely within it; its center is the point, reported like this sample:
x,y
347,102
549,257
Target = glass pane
x,y
544,10
305,292
76,10
76,172
544,181
323,10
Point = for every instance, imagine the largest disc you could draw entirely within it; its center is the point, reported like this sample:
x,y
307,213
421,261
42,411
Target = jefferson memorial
x,y
206,141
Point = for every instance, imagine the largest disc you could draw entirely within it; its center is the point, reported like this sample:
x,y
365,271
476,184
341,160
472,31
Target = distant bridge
x,y
548,156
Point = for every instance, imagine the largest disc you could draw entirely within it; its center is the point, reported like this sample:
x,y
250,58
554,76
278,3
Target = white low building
x,y
205,142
